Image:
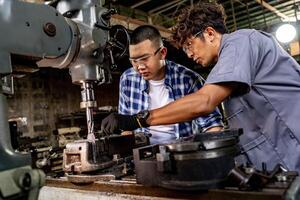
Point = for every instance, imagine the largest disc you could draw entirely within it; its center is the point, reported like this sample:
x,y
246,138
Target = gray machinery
x,y
64,34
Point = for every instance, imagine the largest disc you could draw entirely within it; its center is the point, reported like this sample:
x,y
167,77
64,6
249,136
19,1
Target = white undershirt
x,y
159,96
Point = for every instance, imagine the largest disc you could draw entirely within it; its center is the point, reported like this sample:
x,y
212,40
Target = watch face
x,y
143,114
142,117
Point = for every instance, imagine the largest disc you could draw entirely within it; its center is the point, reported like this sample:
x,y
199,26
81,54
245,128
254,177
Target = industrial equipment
x,y
114,158
64,34
282,186
76,34
198,167
202,162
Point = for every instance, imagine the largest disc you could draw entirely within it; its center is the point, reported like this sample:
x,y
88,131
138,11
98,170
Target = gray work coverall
x,y
267,102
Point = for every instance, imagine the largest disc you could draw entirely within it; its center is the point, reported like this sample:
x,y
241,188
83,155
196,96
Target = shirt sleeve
x,y
203,123
235,64
123,102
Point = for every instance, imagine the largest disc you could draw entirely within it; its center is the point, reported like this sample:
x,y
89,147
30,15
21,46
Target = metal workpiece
x,y
113,160
78,158
87,157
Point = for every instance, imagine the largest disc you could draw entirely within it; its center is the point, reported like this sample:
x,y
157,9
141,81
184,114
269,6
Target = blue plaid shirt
x,y
180,81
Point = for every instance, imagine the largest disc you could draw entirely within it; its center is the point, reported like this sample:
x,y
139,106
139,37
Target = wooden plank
x,y
131,188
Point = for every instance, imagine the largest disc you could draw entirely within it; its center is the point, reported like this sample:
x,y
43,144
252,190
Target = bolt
x,y
26,181
50,29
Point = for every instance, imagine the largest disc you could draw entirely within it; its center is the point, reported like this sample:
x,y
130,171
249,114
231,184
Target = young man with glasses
x,y
153,82
258,81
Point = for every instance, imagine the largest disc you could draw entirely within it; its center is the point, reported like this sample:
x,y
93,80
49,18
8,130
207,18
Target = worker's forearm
x,y
215,128
184,109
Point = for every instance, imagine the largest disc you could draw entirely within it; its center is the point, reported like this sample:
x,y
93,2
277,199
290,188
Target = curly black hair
x,y
195,19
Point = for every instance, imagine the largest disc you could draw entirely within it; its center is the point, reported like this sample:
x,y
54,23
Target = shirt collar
x,y
168,78
144,84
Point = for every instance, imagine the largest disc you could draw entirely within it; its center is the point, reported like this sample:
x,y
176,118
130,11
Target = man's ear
x,y
210,33
163,52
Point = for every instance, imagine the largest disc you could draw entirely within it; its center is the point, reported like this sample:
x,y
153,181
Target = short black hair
x,y
146,32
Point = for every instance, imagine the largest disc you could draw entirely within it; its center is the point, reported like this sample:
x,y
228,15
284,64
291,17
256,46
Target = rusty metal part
x,y
123,167
86,178
84,156
78,157
131,188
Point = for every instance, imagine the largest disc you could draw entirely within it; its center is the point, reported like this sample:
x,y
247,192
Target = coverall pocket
x,y
260,150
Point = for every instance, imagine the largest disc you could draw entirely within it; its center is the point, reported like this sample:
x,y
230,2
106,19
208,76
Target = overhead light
x,y
289,19
285,33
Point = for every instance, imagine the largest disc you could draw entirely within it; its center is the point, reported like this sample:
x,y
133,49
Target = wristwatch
x,y
141,118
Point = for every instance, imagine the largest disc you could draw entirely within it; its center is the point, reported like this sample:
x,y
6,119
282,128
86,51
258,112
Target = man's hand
x,y
115,122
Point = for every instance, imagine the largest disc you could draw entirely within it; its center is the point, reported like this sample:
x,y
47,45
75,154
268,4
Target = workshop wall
x,y
41,97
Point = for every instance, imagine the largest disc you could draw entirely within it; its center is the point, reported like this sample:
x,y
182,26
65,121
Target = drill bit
x,y
88,102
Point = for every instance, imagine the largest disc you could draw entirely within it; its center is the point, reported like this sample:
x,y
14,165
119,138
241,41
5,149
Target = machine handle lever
x,y
112,60
107,15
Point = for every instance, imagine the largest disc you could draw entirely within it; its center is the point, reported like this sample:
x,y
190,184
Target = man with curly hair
x,y
256,79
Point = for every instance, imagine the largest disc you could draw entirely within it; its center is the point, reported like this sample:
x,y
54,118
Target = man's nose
x,y
141,66
189,54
